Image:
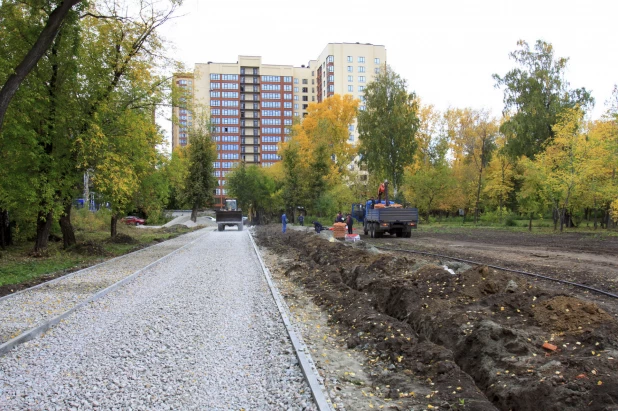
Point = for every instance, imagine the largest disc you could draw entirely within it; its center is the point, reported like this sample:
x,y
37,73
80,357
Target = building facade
x,y
251,106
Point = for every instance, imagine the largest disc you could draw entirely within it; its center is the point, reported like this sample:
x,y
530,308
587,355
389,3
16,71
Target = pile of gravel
x,y
199,330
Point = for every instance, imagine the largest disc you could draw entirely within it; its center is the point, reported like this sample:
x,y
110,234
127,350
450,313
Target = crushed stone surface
x,y
200,330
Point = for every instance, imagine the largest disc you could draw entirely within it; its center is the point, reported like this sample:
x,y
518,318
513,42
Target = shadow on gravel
x,y
475,337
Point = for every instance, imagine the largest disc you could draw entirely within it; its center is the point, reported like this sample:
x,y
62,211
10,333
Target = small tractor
x,y
230,215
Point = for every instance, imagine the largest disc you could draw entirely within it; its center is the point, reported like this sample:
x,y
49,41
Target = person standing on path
x,y
349,221
301,220
284,221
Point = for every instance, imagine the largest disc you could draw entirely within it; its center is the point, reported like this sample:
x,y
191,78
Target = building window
x,y
305,81
351,138
331,79
287,79
305,89
330,59
287,113
376,60
376,70
305,106
295,81
215,103
271,96
361,59
287,87
295,89
295,106
331,88
306,98
361,69
213,112
215,94
350,79
351,127
270,87
215,86
350,88
271,79
350,69
330,70
287,96
361,89
215,77
296,114
350,59
287,104
233,77
296,98
361,79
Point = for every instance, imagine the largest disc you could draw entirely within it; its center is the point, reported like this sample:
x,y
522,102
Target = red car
x,y
132,220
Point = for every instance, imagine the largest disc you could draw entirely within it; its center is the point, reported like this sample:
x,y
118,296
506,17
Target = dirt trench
x,y
473,339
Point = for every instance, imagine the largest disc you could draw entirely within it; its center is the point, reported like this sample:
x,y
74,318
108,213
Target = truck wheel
x,y
379,234
399,233
365,229
239,227
408,234
372,231
220,227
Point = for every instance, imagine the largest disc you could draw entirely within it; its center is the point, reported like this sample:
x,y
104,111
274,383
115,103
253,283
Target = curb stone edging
x,y
302,352
41,328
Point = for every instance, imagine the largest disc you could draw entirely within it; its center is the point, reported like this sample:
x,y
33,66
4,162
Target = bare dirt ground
x,y
398,331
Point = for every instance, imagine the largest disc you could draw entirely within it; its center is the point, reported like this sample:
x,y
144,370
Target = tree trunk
x,y
478,197
562,215
68,234
43,225
5,229
530,222
114,225
194,212
35,53
555,216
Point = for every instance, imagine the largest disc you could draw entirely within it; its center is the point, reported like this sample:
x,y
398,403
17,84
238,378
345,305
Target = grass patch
x,y
92,231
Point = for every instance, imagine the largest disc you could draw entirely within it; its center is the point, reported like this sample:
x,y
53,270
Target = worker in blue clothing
x,y
284,221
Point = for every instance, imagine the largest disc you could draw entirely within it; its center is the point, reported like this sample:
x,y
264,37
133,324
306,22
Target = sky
x,y
447,50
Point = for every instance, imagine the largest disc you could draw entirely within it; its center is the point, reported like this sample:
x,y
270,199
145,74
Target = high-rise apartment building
x,y
252,106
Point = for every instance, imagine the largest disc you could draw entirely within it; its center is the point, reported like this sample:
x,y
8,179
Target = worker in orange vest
x,y
382,190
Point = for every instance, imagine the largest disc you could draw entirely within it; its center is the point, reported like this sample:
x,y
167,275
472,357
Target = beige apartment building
x,y
252,105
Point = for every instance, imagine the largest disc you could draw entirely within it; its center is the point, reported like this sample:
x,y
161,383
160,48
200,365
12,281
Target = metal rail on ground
x,y
596,290
302,353
46,325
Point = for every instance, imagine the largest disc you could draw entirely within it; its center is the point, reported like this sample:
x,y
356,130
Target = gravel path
x,y
22,311
199,330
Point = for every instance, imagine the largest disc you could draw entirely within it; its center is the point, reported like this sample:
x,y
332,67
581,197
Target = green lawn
x,y
18,265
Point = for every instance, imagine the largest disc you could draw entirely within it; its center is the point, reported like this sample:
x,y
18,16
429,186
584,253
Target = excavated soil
x,y
473,340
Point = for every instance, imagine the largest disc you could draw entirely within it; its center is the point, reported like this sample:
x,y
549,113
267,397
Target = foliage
x,y
326,127
388,126
430,188
535,94
252,188
200,182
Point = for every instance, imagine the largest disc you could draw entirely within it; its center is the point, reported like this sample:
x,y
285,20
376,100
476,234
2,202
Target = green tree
x,y
429,187
52,25
387,127
535,94
252,188
200,183
293,189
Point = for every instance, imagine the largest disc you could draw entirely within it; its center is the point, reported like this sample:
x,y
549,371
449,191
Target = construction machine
x,y
229,215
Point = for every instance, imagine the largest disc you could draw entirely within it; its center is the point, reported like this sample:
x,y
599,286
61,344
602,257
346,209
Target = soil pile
x,y
474,340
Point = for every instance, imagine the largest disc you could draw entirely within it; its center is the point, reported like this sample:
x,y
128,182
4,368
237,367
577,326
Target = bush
x,y
91,221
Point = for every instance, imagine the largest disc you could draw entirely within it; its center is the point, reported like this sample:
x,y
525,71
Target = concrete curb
x,y
302,352
41,328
